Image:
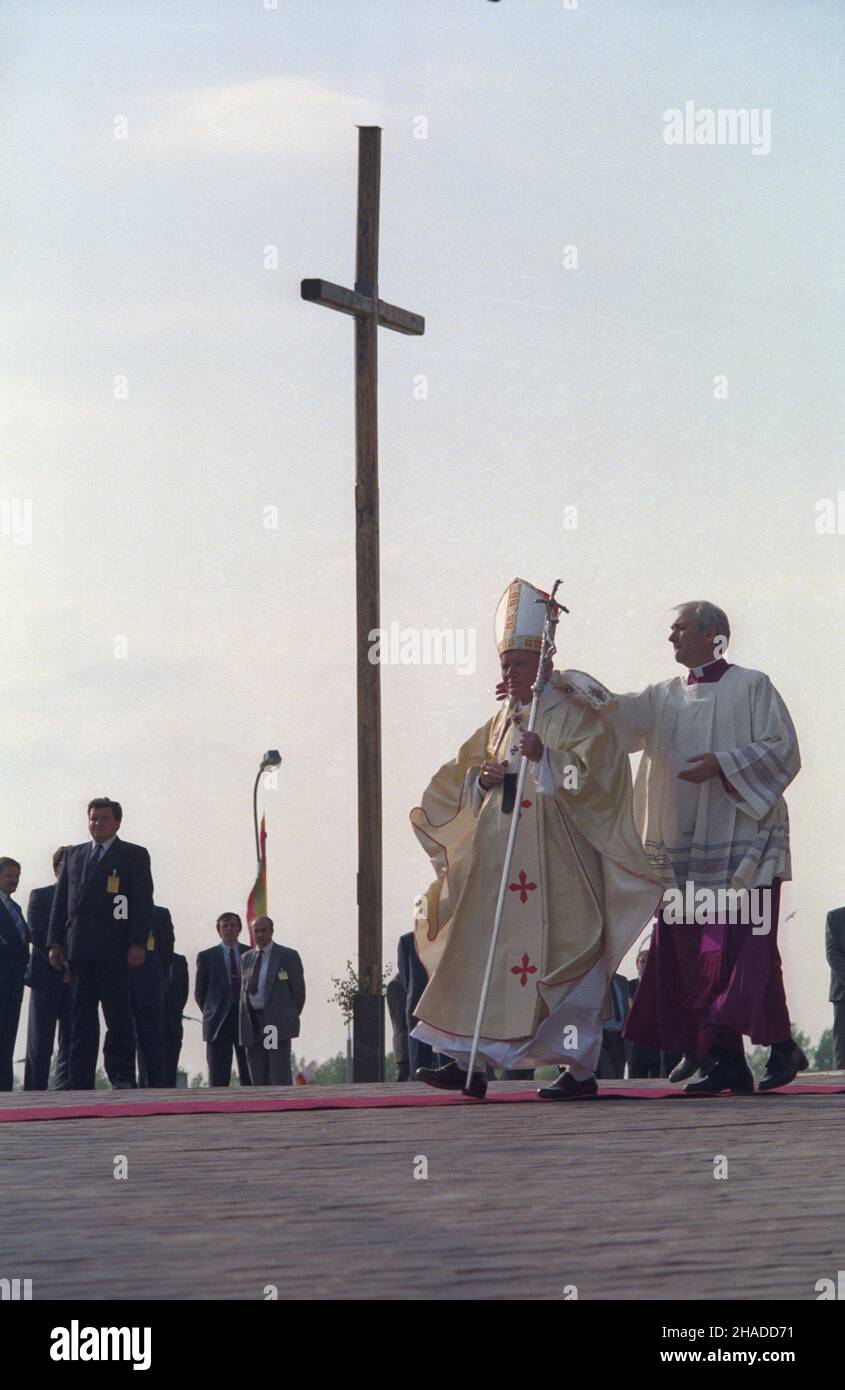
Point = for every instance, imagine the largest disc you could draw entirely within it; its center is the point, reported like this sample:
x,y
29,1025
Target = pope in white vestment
x,y
580,888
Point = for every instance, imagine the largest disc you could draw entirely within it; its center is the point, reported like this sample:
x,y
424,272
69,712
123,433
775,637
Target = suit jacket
x,y
14,953
146,983
834,936
285,998
176,990
82,918
213,989
40,974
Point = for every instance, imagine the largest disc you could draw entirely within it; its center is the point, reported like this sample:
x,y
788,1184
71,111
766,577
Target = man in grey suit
x,y
835,950
272,998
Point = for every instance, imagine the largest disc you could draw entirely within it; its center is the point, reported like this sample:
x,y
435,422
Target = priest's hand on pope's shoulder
x,y
532,746
708,766
491,775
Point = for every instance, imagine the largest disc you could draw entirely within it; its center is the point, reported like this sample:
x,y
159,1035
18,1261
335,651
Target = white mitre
x,y
520,615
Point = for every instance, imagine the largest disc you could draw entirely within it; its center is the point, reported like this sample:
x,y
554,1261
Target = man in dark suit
x,y
218,993
14,955
414,978
49,998
176,990
612,1057
397,1008
272,999
146,991
835,951
99,922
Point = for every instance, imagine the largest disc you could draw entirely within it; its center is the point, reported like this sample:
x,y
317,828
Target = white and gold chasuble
x,y
579,891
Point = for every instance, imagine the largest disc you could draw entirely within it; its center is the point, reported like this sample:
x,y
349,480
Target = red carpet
x,y
313,1100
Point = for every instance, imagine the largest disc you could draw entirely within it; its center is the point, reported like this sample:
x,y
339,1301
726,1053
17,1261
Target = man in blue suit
x,y
218,992
49,997
14,955
176,991
146,989
99,922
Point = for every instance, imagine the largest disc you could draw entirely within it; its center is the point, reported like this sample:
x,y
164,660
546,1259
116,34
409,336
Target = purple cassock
x,y
706,986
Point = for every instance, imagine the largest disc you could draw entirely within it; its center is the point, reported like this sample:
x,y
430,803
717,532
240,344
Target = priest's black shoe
x,y
786,1059
686,1068
727,1071
452,1078
567,1088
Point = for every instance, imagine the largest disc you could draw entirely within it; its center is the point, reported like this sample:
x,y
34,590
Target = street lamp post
x,y
272,758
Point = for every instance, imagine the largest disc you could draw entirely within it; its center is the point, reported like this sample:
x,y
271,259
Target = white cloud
x,y
273,115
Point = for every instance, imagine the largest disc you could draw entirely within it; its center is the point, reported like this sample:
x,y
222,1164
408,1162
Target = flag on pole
x,y
256,903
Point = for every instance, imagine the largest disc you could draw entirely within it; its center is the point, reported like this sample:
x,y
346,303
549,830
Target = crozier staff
x,y
579,890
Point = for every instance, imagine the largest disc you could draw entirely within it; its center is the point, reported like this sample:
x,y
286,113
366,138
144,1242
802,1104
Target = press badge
x,y
113,884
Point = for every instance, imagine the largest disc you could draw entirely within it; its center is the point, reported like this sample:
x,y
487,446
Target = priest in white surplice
x,y
580,887
719,750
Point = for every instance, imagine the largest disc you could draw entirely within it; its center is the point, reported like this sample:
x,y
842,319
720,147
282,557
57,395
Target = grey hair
x,y
708,615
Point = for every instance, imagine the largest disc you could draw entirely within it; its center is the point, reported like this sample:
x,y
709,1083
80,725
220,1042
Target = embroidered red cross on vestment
x,y
524,970
522,887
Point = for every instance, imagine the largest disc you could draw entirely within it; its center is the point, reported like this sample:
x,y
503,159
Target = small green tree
x,y
823,1054
332,1072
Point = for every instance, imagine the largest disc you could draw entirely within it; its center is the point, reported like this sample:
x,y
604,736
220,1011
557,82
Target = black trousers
x,y
612,1059
105,982
149,1041
48,1005
11,998
839,1036
219,1053
172,1048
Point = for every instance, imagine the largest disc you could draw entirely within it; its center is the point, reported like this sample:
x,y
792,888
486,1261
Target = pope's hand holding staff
x,y
541,887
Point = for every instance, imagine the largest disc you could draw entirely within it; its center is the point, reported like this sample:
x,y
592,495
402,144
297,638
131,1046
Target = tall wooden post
x,y
370,312
368,1024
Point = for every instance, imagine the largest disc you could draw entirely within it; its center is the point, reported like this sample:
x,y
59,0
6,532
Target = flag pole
x,y
547,651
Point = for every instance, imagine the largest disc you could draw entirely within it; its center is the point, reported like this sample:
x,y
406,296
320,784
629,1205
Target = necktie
x,y
93,861
256,974
19,918
233,972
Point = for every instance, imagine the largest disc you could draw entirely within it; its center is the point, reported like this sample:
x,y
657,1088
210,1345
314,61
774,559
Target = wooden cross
x,y
369,313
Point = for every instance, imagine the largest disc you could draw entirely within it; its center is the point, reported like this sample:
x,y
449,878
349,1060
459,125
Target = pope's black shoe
x,y
786,1059
726,1071
452,1078
686,1068
567,1088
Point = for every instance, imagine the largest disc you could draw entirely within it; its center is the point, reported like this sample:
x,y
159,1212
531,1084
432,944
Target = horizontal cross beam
x,y
362,306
